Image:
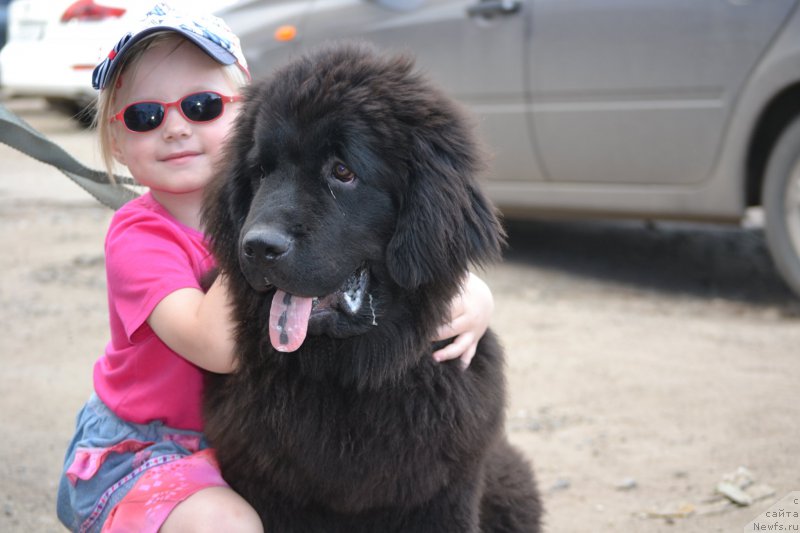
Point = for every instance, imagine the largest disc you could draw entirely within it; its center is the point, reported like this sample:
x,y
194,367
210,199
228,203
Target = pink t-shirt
x,y
149,254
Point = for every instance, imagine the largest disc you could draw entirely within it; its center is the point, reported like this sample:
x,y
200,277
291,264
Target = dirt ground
x,y
645,362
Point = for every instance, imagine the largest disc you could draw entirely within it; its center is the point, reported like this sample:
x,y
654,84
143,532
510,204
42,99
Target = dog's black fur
x,y
347,161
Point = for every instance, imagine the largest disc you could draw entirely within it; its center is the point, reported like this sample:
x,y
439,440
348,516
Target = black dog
x,y
348,209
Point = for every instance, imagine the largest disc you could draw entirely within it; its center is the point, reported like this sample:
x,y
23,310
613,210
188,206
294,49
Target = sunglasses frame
x,y
176,104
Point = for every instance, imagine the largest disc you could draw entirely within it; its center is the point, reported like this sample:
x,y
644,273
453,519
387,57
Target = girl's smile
x,y
184,157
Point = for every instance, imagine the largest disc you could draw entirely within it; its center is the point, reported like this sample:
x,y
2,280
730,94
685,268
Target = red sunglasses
x,y
141,117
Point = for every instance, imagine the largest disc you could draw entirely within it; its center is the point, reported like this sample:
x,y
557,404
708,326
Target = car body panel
x,y
641,92
258,21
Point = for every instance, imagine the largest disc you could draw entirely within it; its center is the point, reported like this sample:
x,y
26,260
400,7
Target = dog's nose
x,y
265,243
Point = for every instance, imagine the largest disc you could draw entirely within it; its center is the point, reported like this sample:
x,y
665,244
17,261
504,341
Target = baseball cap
x,y
207,31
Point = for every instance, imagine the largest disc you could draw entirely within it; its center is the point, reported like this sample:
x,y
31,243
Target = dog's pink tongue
x,y
288,320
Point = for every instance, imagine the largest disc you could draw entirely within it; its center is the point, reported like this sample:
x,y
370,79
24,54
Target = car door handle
x,y
489,8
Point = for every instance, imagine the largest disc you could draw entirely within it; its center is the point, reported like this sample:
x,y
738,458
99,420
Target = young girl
x,y
138,460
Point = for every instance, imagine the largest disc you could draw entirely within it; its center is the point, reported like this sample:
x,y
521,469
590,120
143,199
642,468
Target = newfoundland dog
x,y
345,217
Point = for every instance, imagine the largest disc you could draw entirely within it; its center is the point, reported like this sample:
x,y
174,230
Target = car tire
x,y
781,201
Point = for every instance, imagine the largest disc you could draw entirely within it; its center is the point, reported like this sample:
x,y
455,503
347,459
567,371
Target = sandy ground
x,y
646,363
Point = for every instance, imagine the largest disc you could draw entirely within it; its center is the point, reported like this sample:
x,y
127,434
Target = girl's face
x,y
179,156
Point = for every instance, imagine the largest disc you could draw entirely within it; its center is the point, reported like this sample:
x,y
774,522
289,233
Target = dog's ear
x,y
445,221
219,218
229,195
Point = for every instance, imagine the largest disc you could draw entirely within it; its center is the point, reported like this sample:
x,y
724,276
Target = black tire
x,y
781,200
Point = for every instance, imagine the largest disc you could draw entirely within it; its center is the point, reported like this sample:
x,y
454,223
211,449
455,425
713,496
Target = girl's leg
x,y
213,509
185,494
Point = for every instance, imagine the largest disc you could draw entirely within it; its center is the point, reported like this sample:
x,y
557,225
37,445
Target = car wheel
x,y
781,199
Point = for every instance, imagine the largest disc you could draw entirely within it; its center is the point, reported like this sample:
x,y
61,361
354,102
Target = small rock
x,y
627,484
741,477
734,493
560,484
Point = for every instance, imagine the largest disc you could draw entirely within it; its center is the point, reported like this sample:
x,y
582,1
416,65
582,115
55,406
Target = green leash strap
x,y
19,135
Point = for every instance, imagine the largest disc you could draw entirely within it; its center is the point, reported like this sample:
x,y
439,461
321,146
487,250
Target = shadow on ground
x,y
705,261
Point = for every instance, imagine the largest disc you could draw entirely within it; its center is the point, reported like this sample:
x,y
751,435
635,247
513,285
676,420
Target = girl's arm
x,y
470,312
198,326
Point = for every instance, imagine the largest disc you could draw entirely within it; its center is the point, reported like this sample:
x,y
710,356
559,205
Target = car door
x,y
473,50
640,92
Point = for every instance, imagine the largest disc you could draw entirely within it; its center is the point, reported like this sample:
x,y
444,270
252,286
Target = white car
x,y
53,45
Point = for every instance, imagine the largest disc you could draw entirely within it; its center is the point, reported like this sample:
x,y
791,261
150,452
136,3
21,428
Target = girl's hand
x,y
470,312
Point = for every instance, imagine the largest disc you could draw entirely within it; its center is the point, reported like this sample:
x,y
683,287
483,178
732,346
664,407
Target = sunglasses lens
x,y
202,107
144,116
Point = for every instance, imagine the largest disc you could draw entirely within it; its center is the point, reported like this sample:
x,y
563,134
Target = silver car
x,y
656,109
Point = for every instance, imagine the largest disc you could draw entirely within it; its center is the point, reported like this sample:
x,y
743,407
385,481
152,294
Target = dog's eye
x,y
342,173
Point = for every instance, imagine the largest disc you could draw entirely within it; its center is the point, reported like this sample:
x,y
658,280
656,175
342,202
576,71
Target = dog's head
x,y
349,182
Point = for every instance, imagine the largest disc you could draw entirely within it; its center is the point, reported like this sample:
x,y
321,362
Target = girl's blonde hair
x,y
106,105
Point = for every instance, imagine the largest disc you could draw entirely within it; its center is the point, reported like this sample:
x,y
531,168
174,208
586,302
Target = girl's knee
x,y
213,509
